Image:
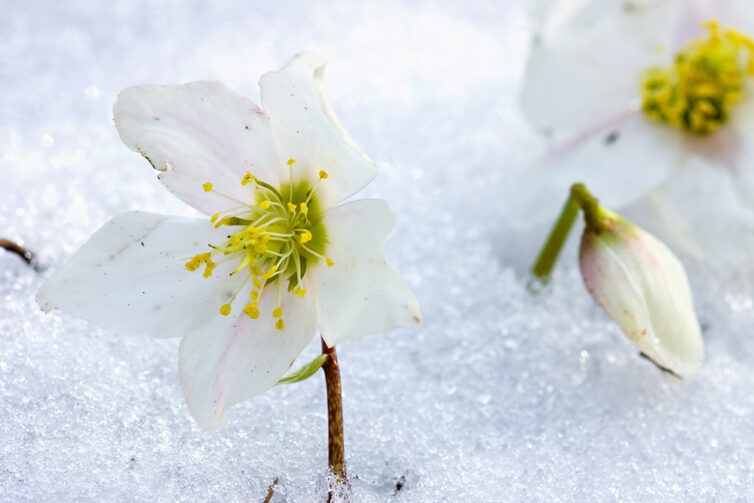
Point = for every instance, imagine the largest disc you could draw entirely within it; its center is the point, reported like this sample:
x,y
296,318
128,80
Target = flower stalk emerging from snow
x,y
277,258
635,278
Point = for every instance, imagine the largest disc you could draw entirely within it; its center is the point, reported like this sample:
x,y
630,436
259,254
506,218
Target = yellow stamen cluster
x,y
697,91
276,241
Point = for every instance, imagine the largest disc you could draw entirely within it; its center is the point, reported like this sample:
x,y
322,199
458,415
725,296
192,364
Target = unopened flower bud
x,y
643,287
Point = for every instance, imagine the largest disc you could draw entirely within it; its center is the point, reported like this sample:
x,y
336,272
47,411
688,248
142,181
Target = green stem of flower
x,y
579,198
336,455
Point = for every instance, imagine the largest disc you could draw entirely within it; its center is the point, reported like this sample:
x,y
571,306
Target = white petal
x,y
585,66
701,209
222,367
130,277
361,294
196,133
306,129
618,162
643,287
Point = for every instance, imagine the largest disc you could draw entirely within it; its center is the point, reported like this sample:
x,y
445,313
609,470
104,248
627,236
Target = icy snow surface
x,y
498,396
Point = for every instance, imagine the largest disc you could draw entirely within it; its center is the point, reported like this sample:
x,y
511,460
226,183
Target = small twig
x,y
22,252
270,491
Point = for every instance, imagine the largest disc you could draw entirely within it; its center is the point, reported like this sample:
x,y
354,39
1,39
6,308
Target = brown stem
x,y
19,250
336,456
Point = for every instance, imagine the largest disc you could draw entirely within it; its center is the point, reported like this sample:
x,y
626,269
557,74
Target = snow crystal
x,y
499,395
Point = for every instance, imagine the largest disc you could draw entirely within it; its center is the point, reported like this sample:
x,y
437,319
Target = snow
x,y
499,395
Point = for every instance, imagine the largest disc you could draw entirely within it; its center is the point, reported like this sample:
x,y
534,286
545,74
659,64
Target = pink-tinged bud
x,y
643,287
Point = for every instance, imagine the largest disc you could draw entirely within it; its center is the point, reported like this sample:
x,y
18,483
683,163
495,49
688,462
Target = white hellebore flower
x,y
279,258
641,285
650,103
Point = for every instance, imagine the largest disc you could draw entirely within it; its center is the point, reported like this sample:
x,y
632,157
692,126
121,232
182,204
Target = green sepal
x,y
304,372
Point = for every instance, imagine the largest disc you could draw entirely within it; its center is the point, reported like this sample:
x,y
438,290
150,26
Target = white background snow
x,y
498,395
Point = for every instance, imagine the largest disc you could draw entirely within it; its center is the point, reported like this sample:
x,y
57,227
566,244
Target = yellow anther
x,y
251,311
214,218
225,310
264,205
254,295
329,262
210,266
306,236
256,282
270,272
299,291
292,207
279,324
247,179
304,209
322,174
278,312
291,161
207,187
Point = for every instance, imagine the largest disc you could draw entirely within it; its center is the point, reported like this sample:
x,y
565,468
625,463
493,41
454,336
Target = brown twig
x,y
22,252
270,491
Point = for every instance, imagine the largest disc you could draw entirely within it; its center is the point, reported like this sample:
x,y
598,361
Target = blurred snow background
x,y
497,396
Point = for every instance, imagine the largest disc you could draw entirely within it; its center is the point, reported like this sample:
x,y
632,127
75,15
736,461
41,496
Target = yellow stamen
x,y
322,174
247,179
329,262
251,310
267,239
706,79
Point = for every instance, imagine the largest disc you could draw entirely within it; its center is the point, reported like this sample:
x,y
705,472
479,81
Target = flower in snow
x,y
643,287
278,257
651,104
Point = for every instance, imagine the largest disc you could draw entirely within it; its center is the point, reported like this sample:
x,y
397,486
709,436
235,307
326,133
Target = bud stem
x,y
336,455
579,198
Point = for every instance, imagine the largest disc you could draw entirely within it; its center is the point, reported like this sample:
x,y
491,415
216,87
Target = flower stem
x,y
578,198
336,456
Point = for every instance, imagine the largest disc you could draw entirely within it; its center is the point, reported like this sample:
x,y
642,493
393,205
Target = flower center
x,y
697,91
275,240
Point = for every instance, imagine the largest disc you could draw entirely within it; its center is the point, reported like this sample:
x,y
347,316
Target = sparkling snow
x,y
498,395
